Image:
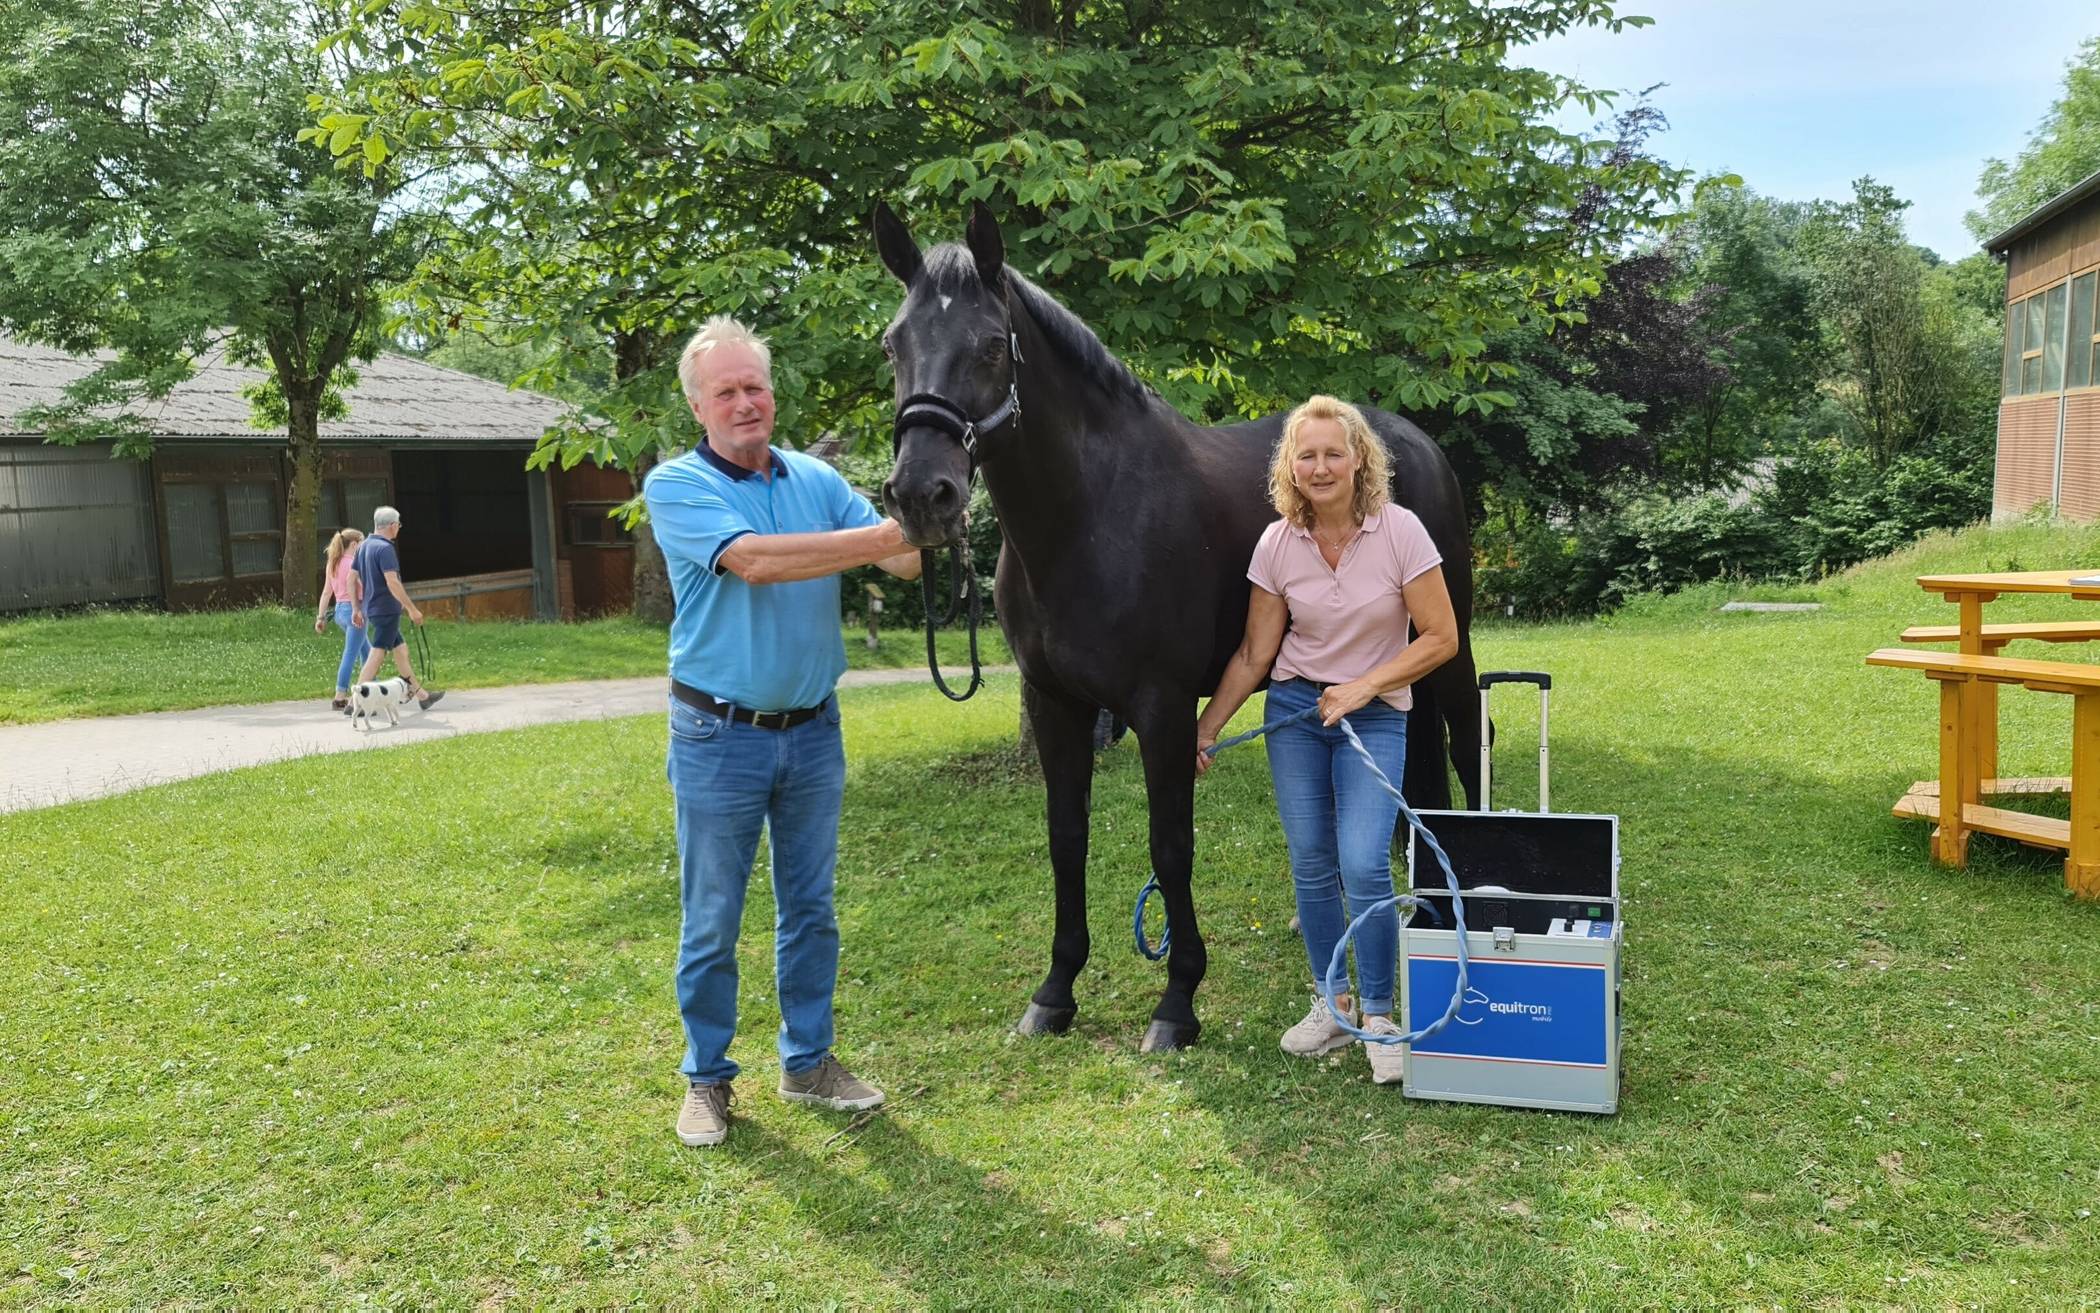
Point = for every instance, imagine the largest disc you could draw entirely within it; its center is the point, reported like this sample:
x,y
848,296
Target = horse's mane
x,y
950,265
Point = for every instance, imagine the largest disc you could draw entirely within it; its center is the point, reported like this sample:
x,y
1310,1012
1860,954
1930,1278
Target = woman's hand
x,y
320,625
1205,741
1340,699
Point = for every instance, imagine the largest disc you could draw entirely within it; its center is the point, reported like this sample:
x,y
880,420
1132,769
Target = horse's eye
x,y
994,348
889,348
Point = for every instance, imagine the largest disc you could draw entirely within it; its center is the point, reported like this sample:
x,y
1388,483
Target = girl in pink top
x,y
340,586
1336,582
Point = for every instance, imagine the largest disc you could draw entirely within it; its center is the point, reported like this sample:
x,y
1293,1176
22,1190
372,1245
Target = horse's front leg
x,y
1166,729
1064,742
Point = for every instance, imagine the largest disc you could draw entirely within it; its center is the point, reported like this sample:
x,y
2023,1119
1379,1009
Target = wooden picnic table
x,y
1969,678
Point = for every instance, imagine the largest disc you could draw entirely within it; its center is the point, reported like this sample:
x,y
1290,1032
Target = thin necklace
x,y
1337,546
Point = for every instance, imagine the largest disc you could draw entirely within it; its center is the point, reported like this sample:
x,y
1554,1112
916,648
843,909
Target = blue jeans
x,y
354,648
1339,826
730,780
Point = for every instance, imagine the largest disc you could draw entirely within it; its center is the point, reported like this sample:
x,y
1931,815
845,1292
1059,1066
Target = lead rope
x,y
966,587
1336,979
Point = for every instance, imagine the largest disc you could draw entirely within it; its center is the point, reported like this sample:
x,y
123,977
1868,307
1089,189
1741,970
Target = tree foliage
x,y
2062,151
1249,202
161,203
1902,365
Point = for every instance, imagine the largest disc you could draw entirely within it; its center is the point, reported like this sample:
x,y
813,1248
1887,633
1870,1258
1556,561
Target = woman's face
x,y
1324,466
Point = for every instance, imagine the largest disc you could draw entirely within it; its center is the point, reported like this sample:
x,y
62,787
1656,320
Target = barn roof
x,y
397,398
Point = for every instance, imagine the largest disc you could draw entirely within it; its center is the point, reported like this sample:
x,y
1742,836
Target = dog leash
x,y
425,671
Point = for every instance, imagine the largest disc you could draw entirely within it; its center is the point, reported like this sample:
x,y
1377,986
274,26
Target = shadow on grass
x,y
955,1234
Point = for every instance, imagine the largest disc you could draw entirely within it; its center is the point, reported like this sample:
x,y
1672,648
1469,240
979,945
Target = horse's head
x,y
951,346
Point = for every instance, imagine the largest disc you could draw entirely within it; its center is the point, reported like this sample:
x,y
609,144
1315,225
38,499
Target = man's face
x,y
735,404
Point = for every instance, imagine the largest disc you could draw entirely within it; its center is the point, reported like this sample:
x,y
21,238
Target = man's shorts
x,y
383,631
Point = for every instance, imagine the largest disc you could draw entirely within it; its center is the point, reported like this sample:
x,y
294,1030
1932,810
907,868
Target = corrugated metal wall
x,y
75,526
2026,475
2079,498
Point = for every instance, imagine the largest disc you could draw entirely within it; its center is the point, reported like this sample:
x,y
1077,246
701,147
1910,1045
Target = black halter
x,y
934,411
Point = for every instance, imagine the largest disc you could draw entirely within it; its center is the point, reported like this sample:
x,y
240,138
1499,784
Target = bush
x,y
1825,508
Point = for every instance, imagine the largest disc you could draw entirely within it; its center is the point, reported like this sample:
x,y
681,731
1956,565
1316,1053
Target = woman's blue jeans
x,y
729,780
1338,824
354,647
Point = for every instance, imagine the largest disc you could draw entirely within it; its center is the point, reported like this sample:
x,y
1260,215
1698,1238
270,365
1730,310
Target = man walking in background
x,y
385,599
755,537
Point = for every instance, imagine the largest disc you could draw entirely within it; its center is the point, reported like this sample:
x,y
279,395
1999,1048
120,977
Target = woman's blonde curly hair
x,y
1373,471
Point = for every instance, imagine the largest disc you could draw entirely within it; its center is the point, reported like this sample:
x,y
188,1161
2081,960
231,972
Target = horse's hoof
x,y
1166,1036
1039,1020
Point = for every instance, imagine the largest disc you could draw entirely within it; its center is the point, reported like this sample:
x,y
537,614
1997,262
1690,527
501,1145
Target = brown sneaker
x,y
829,1085
704,1118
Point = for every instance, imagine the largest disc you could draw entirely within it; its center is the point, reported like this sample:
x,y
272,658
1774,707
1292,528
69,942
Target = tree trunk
x,y
652,578
633,355
301,563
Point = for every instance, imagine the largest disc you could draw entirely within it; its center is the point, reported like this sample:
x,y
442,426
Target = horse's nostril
x,y
946,495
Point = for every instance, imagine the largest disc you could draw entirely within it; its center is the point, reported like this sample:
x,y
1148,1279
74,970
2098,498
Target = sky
x,y
1800,98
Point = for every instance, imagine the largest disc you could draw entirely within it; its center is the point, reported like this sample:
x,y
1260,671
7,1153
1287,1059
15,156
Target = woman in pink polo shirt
x,y
1336,582
341,587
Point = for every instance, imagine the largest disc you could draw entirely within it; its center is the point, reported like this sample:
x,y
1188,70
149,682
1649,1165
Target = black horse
x,y
1122,579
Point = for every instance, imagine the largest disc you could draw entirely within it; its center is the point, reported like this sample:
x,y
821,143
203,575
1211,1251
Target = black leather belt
x,y
693,697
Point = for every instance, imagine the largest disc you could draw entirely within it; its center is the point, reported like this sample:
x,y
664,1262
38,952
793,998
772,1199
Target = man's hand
x,y
415,614
1204,743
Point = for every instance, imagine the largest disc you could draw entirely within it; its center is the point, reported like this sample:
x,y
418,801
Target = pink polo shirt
x,y
339,586
1345,622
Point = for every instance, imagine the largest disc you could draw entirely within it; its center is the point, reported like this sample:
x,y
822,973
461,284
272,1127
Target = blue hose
x,y
1337,977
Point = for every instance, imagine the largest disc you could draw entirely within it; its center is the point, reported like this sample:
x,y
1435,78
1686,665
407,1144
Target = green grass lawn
x,y
104,663
257,1049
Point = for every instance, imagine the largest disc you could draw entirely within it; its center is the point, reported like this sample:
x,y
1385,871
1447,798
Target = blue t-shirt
x,y
769,647
376,556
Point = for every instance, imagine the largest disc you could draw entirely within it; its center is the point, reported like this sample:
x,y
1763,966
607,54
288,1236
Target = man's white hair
x,y
384,515
715,332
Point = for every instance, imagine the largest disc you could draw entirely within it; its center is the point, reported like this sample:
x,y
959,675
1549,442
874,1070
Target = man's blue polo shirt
x,y
770,647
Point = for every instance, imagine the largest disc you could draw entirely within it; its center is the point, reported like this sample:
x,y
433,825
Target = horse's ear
x,y
893,241
987,247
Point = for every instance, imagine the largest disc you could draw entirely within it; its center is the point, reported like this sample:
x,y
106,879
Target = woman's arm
x,y
1266,618
1436,641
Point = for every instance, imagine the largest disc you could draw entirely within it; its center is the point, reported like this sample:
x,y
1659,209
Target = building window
x,y
251,527
2052,339
196,551
587,525
347,504
2015,335
2078,367
2054,322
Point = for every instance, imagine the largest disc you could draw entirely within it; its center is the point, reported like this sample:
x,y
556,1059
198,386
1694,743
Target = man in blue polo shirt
x,y
755,537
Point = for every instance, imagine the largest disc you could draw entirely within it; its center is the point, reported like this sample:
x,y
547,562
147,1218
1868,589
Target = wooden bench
x,y
1983,708
1997,636
1956,805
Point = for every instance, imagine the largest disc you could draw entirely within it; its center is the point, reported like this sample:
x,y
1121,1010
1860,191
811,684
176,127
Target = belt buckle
x,y
769,719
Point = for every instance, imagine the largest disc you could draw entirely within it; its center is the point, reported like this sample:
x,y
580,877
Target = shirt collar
x,y
1370,525
735,471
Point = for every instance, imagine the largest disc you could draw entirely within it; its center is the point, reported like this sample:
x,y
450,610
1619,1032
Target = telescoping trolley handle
x,y
1488,681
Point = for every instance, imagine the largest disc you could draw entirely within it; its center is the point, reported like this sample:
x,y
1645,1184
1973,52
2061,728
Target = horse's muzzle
x,y
928,504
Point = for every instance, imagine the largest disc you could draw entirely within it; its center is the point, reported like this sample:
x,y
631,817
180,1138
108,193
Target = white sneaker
x,y
1317,1033
1388,1061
